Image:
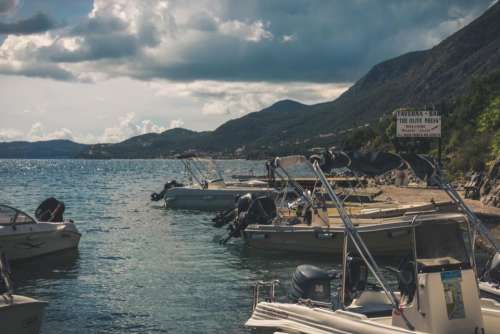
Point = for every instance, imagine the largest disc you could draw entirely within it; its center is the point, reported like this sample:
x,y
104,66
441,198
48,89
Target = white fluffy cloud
x,y
128,127
176,123
10,135
36,132
253,32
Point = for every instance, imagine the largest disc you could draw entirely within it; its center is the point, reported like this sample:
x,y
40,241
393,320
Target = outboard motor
x,y
313,283
155,197
50,210
261,210
406,278
356,277
242,204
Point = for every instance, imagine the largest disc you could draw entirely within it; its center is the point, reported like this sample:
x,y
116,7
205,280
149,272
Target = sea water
x,y
140,268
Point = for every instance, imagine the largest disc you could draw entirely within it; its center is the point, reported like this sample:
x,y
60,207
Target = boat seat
x,y
372,304
372,310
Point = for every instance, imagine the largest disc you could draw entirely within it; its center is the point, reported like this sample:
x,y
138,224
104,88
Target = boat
x,y
309,225
207,193
23,236
18,314
437,293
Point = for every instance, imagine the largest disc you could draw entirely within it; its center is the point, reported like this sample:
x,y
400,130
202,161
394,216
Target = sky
x,y
106,70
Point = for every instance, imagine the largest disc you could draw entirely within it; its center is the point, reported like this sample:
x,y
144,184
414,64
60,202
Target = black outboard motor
x,y
262,211
155,197
251,210
406,278
50,210
313,283
224,217
242,204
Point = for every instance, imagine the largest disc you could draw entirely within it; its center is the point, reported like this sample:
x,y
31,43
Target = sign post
x,y
413,123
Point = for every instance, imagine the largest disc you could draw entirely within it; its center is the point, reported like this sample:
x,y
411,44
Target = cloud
x,y
288,38
41,71
129,128
176,123
234,99
7,6
38,132
39,22
10,135
253,32
278,41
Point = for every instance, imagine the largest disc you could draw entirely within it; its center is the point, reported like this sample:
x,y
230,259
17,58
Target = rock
x,y
490,191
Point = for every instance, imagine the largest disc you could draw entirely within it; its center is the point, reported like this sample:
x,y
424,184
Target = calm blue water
x,y
139,268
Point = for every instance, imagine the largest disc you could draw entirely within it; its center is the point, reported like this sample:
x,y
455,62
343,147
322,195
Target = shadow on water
x,y
61,265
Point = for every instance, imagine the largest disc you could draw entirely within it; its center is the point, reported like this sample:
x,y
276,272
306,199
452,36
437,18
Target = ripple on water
x,y
140,268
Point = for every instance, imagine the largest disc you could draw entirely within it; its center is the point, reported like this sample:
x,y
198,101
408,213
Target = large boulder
x,y
490,191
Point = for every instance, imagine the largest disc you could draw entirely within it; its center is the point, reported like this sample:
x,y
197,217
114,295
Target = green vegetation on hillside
x,y
470,129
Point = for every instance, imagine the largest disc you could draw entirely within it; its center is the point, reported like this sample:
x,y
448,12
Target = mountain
x,y
254,129
440,76
418,79
51,149
151,145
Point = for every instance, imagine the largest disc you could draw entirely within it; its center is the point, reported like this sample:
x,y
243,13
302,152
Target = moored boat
x,y
23,236
18,314
437,283
309,225
207,190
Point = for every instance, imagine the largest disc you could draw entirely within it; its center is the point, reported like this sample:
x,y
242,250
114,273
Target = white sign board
x,y
413,123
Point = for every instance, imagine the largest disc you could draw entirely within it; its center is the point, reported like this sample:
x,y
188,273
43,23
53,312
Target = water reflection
x,y
58,266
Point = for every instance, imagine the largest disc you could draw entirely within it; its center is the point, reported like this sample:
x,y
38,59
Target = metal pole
x,y
359,244
474,219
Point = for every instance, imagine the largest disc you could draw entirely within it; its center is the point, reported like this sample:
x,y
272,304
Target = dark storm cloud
x,y
49,71
35,24
94,48
7,5
332,40
261,40
103,38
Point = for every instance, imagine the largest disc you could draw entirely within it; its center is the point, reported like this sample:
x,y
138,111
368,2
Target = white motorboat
x,y
437,280
18,314
205,192
23,236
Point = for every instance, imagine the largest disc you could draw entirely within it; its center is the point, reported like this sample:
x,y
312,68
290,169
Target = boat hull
x,y
209,199
20,315
323,240
29,241
295,318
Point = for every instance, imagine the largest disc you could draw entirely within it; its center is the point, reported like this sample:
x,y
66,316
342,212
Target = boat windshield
x,y
9,215
442,243
202,170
